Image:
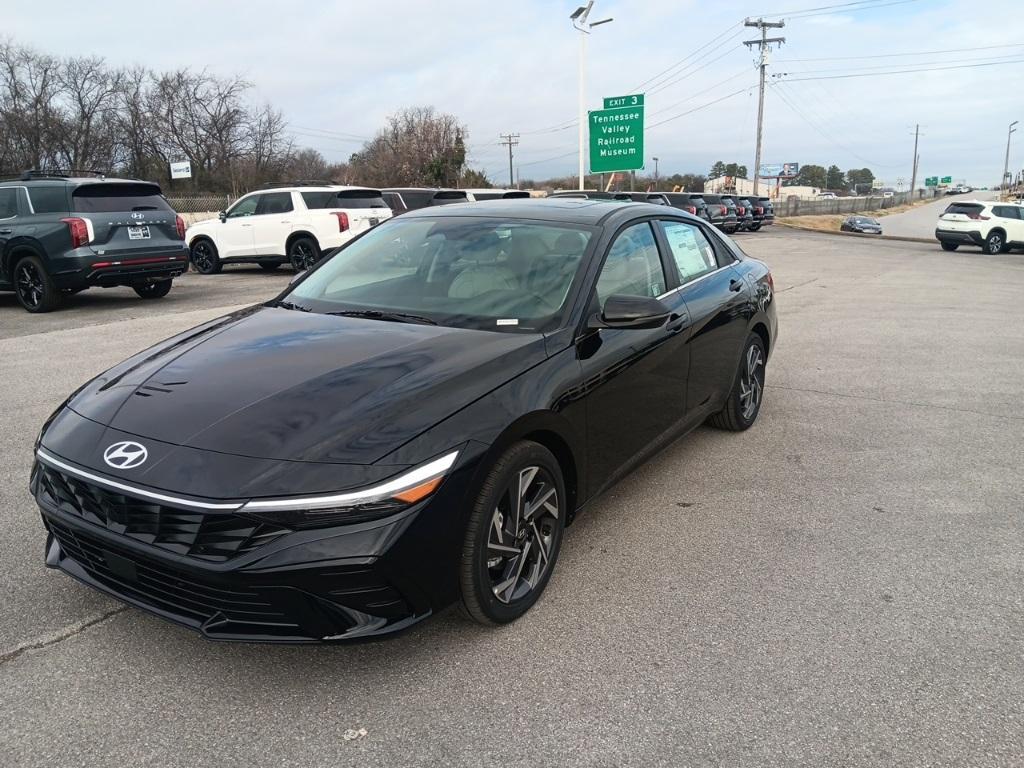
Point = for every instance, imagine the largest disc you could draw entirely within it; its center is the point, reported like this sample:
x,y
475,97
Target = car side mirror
x,y
621,311
222,216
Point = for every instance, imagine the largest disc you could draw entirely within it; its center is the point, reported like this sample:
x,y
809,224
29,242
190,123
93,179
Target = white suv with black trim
x,y
996,227
296,224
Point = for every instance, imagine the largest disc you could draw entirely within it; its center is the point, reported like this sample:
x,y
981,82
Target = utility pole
x,y
913,175
655,174
764,44
1005,182
510,140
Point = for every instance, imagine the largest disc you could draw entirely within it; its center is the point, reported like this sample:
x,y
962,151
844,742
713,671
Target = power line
x,y
904,71
702,106
852,7
691,55
698,93
332,132
548,159
894,55
689,71
976,60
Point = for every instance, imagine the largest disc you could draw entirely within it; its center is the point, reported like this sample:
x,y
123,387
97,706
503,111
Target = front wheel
x,y
950,246
303,253
34,287
153,290
744,402
204,257
754,227
514,535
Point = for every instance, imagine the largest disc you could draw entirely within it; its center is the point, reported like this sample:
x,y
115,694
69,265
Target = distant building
x,y
732,185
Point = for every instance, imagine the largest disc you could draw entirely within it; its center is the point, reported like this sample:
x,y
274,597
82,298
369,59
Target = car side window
x,y
692,252
633,266
275,202
8,203
244,207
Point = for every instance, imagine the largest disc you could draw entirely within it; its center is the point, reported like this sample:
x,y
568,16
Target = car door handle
x,y
677,323
6,231
735,285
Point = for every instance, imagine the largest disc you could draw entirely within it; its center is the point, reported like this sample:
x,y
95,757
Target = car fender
x,y
18,244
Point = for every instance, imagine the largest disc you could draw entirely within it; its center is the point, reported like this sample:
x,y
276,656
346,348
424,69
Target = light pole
x,y
579,21
1006,163
655,173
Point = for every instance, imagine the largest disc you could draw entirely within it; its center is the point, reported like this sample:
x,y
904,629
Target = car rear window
x,y
348,198
713,199
111,198
447,198
965,208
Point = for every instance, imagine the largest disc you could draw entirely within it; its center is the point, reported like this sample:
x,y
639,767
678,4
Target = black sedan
x,y
862,224
413,423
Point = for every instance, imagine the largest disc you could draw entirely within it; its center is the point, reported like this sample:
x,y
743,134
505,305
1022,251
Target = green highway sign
x,y
616,102
931,181
947,179
617,137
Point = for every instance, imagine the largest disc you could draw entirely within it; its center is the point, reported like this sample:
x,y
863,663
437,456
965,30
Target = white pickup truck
x,y
278,224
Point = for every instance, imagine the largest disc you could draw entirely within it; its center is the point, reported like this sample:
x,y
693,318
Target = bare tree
x,y
418,147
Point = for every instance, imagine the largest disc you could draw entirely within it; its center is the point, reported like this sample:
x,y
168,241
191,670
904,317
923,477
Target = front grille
x,y
189,597
208,536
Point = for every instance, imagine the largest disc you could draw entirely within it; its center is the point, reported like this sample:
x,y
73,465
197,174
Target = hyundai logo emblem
x,y
125,455
138,215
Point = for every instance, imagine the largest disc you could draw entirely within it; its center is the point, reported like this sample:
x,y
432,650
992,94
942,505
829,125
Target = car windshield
x,y
467,272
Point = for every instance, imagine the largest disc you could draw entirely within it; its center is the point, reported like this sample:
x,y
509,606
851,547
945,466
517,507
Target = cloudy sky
x,y
338,68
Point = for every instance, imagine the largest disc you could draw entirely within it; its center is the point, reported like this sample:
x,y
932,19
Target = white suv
x,y
996,227
279,224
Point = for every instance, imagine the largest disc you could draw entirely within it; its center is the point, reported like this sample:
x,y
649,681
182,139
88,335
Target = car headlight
x,y
380,500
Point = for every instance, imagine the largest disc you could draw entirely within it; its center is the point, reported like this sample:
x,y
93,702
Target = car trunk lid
x,y
127,218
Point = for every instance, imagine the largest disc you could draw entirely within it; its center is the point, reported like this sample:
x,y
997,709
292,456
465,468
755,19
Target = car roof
x,y
76,180
566,210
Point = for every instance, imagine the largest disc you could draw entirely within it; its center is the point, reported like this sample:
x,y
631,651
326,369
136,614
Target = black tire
x,y
995,243
741,408
303,253
153,290
204,257
34,287
950,246
269,266
754,227
498,549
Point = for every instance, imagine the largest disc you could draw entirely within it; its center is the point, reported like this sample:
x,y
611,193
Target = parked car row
x,y
63,232
730,213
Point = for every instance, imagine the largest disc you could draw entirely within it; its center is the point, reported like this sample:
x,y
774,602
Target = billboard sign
x,y
769,170
791,169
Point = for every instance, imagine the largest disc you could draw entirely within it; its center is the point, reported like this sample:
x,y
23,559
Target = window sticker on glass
x,y
508,321
693,254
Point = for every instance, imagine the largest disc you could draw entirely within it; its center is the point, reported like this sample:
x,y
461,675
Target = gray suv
x,y
61,234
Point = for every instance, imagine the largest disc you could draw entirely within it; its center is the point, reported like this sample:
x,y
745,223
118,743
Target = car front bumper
x,y
337,583
972,237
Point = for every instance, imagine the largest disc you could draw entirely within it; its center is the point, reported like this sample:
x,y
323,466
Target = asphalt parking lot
x,y
839,586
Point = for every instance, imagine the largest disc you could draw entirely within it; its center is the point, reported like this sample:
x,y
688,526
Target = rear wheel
x,y
269,266
303,253
744,402
33,285
514,535
754,227
205,258
153,290
995,243
950,246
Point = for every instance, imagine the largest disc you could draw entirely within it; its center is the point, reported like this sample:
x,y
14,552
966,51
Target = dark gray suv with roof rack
x,y
61,233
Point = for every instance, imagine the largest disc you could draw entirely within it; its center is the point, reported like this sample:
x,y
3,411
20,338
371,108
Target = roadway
x,y
838,586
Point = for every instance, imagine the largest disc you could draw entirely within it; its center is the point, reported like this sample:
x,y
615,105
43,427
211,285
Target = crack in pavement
x,y
896,402
798,285
61,636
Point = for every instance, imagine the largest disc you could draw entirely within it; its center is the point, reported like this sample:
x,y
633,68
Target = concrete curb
x,y
897,238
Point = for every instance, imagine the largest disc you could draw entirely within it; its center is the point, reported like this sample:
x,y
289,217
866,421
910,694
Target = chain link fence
x,y
200,203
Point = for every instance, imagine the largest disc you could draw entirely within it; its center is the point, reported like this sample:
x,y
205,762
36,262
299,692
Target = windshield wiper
x,y
290,305
376,314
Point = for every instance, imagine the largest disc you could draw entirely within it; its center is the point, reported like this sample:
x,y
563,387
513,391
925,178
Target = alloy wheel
x,y
751,382
29,284
303,256
995,244
202,256
522,532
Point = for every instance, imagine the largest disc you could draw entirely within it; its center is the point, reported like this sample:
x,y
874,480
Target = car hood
x,y
280,384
